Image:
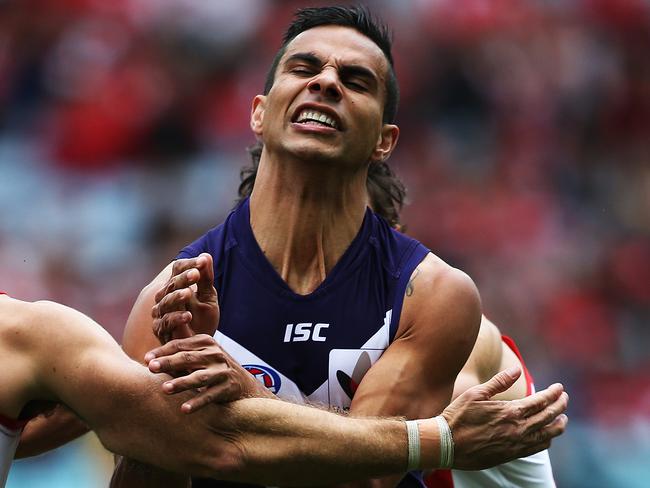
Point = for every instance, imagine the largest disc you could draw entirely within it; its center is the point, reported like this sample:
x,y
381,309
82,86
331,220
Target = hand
x,y
489,432
206,367
187,303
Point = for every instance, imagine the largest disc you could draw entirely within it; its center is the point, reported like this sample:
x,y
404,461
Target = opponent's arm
x,y
55,429
49,431
253,440
489,356
137,339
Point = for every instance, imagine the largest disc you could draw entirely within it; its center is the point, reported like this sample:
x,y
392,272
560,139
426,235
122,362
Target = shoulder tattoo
x,y
410,288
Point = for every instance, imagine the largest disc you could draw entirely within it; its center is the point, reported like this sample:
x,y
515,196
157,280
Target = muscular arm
x,y
50,431
252,440
137,339
414,377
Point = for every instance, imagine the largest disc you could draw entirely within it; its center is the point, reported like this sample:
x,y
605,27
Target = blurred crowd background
x,y
525,147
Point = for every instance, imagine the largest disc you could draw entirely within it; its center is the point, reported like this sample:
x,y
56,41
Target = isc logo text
x,y
305,331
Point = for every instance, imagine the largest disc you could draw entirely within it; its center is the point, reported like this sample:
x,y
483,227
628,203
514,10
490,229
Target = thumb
x,y
499,383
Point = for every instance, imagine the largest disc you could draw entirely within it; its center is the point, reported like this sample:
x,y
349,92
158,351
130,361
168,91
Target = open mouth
x,y
314,117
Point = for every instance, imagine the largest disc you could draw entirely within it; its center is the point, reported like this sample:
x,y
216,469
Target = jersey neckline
x,y
258,264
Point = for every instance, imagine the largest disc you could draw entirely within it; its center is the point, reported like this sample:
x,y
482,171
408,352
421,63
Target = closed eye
x,y
356,86
302,71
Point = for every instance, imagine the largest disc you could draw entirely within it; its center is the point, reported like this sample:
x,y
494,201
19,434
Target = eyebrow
x,y
345,70
309,58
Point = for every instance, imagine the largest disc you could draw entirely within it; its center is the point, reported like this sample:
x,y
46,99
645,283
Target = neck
x,y
304,215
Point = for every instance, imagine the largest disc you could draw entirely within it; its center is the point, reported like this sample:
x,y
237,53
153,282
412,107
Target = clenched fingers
x,y
171,325
171,302
184,274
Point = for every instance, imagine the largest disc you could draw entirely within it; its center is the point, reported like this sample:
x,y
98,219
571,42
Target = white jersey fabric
x,y
529,472
9,437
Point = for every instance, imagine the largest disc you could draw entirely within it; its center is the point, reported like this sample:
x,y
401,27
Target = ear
x,y
386,142
257,114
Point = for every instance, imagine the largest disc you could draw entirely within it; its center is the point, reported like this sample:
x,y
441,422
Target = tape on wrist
x,y
446,443
413,433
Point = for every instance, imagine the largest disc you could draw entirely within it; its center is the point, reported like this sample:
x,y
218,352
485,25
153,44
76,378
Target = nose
x,y
326,83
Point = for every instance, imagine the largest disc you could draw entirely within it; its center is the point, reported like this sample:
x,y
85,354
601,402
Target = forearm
x,y
295,445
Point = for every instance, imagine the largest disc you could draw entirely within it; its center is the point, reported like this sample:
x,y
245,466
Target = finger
x,y
540,400
181,273
541,439
194,343
170,322
555,428
200,378
549,414
222,393
174,325
180,282
499,383
174,301
179,362
181,331
205,284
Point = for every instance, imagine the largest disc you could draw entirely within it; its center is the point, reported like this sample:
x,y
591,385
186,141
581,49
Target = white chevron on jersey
x,y
381,339
353,363
347,367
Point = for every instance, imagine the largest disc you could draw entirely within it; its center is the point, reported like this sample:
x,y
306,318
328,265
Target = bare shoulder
x,y
22,323
487,353
439,294
36,338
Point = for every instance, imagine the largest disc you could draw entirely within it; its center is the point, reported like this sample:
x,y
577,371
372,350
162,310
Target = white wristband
x,y
413,433
446,443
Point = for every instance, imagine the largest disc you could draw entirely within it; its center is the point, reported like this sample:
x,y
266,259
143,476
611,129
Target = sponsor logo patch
x,y
265,375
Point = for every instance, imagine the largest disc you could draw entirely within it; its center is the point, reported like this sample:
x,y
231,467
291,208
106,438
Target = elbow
x,y
226,462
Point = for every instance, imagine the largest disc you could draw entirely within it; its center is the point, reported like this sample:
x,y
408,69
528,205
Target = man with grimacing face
x,y
310,288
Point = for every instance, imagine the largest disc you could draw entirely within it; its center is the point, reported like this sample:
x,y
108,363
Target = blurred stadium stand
x,y
525,146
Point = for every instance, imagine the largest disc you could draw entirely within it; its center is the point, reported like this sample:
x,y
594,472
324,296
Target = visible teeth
x,y
315,116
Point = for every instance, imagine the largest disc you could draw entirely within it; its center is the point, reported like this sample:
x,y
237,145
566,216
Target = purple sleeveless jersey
x,y
309,348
